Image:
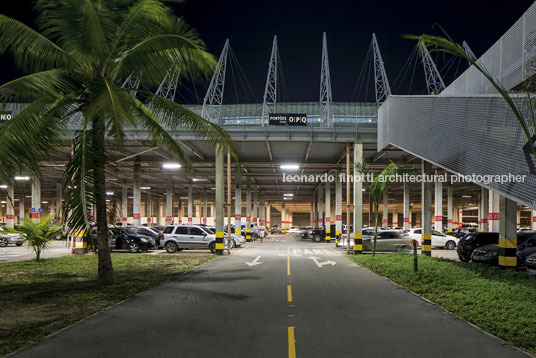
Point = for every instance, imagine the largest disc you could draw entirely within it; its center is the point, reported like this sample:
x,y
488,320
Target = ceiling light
x,y
44,202
287,198
109,193
363,189
184,198
290,166
107,200
466,196
199,179
28,196
3,201
145,187
22,178
171,165
3,186
288,194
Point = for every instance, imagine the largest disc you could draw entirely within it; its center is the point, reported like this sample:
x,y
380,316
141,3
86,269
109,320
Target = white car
x,y
179,237
238,240
438,239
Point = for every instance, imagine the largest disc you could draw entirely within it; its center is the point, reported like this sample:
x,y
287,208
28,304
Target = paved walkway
x,y
276,299
12,253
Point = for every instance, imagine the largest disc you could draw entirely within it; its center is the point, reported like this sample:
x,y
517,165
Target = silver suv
x,y
180,237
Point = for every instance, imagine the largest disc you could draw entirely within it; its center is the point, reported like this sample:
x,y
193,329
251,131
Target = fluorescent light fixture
x,y
15,199
290,166
44,202
107,200
110,193
145,187
287,198
363,189
3,186
171,165
22,178
199,179
113,179
3,201
184,198
288,194
131,197
466,196
213,188
28,196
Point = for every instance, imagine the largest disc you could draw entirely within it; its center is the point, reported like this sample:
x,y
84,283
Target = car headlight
x,y
144,240
492,253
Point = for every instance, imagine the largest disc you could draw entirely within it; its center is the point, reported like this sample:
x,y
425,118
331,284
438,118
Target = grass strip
x,y
500,301
39,298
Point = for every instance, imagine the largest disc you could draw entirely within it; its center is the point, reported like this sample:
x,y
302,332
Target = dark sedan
x,y
120,239
489,254
146,231
470,242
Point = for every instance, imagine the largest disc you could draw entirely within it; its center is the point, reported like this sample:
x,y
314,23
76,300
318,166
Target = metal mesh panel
x,y
463,135
509,60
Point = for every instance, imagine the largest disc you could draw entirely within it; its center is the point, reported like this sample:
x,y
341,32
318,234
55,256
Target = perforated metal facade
x,y
466,135
511,59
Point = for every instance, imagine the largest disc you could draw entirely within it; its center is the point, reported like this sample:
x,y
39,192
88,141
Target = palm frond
x,y
49,84
31,51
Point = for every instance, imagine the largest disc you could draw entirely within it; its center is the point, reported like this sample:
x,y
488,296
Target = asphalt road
x,y
293,299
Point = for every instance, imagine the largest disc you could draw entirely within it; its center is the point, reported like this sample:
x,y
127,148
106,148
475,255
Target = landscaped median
x,y
38,298
500,301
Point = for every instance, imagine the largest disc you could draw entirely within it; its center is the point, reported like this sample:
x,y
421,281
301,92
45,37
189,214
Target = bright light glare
x,y
3,186
22,178
288,194
110,193
171,165
290,166
466,196
145,187
199,179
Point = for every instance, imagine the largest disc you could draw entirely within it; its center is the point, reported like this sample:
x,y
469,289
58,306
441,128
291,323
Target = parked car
x,y
471,241
120,238
526,249
489,254
7,238
461,232
238,240
438,239
147,231
275,229
299,232
180,237
386,240
530,263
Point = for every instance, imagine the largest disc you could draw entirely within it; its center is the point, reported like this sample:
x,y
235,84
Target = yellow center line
x,y
288,261
291,343
289,293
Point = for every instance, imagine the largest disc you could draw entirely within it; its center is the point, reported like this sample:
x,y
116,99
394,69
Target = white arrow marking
x,y
321,264
254,262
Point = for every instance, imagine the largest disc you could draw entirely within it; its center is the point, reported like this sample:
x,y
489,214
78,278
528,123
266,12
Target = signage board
x,y
5,116
291,119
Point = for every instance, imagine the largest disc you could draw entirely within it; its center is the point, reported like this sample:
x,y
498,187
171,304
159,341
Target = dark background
x,y
250,26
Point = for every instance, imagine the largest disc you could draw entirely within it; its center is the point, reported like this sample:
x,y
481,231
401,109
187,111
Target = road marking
x,y
321,264
254,262
288,261
289,293
291,343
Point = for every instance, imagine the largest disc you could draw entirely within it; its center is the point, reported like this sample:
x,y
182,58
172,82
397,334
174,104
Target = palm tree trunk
x,y
376,217
106,271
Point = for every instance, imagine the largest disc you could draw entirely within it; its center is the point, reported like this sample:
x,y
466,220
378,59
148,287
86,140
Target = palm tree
x,y
74,68
377,188
39,234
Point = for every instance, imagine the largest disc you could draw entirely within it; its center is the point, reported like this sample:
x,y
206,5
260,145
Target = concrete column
x,y
238,204
158,207
533,219
204,208
358,202
10,209
320,218
507,232
438,208
169,203
59,196
460,216
385,217
518,217
407,216
268,215
426,203
220,191
311,213
283,215
22,213
149,208
338,207
328,212
484,205
124,205
136,212
36,199
410,218
449,209
248,210
395,218
261,210
493,216
190,203
255,214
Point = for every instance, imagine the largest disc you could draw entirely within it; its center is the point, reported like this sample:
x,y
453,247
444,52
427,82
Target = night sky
x,y
250,26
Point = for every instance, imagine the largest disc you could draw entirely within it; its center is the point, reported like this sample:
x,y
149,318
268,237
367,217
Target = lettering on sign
x,y
5,116
291,119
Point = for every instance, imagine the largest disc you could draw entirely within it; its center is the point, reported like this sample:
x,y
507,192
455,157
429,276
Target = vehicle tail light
x,y
161,236
406,234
